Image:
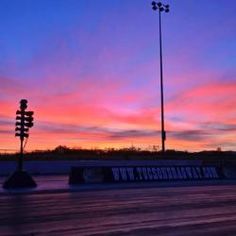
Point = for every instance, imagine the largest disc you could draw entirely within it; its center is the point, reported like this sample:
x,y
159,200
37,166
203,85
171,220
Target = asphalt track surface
x,y
196,210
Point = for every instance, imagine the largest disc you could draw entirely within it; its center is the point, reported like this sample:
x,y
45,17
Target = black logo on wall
x,y
93,175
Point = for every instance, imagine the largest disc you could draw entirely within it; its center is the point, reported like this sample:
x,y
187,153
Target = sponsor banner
x,y
142,173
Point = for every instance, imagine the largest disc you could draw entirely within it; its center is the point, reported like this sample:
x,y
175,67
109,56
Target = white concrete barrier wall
x,y
63,167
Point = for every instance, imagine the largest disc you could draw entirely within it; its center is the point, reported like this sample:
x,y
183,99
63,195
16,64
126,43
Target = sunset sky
x,y
90,71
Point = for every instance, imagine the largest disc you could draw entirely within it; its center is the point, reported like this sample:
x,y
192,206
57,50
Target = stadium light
x,y
161,8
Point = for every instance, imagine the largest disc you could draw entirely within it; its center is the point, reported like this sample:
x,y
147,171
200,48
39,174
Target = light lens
x,y
154,8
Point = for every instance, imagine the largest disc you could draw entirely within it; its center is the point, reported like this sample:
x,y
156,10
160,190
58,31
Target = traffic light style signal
x,y
24,120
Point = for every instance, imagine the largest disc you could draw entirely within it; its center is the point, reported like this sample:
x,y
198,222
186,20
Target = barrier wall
x,y
63,167
117,174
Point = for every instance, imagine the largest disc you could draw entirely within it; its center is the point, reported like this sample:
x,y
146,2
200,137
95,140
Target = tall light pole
x,y
161,8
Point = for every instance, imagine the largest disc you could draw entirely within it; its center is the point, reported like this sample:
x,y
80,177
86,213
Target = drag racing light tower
x,y
24,121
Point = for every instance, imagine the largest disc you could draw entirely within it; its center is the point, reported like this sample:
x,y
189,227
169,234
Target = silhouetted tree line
x,y
131,153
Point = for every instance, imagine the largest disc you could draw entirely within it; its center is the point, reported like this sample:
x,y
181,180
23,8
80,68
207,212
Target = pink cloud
x,y
209,101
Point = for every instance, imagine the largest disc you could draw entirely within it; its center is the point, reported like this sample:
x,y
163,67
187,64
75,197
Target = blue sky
x,y
95,63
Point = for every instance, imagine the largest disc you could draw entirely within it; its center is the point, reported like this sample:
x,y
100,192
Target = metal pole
x,y
20,162
163,134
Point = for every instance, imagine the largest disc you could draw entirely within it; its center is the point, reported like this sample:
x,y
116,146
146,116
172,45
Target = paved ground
x,y
199,210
